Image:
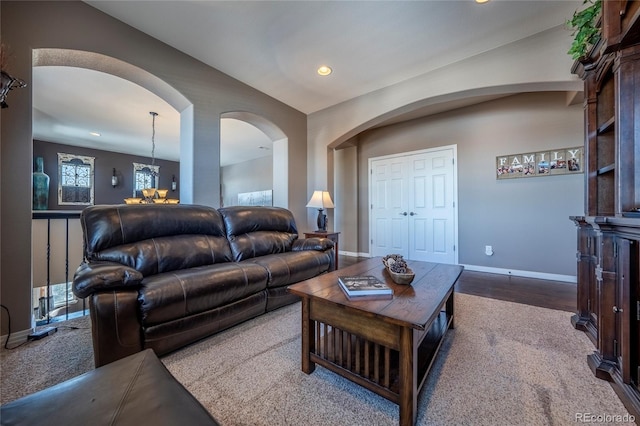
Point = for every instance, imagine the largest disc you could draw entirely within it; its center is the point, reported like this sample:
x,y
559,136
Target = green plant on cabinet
x,y
586,33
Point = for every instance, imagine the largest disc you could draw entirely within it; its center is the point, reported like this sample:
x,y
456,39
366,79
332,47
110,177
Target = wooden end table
x,y
333,236
385,345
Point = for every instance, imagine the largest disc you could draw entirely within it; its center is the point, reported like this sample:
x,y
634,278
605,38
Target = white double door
x,y
413,210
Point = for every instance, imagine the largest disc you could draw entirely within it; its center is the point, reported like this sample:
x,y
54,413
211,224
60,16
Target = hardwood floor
x,y
529,291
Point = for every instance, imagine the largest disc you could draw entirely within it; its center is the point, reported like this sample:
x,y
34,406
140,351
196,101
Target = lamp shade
x,y
320,200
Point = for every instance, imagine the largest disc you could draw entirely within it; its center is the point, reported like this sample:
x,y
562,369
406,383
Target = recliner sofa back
x,y
252,233
154,239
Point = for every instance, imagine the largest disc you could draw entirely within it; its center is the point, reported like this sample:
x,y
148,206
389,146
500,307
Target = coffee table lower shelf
x,y
388,359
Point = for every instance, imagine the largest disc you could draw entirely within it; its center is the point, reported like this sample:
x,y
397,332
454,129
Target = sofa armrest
x,y
100,276
318,244
115,325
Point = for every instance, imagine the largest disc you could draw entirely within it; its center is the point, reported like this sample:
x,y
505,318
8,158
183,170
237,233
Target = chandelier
x,y
153,195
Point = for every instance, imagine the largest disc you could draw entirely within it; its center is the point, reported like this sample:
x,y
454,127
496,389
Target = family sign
x,y
544,163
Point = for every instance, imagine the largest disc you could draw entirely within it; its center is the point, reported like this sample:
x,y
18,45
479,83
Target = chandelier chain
x,y
153,138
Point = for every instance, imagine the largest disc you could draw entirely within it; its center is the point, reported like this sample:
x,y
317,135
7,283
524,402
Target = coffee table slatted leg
x,y
408,378
308,338
449,310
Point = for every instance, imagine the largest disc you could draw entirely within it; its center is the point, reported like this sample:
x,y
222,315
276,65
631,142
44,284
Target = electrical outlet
x,y
488,250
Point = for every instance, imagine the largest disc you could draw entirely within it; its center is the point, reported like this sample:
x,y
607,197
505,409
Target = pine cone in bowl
x,y
398,269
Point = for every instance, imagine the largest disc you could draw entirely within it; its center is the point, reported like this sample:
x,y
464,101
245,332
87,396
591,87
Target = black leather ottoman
x,y
136,390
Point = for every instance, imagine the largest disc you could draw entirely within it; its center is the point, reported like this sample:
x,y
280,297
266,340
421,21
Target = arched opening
x,y
69,102
72,83
260,134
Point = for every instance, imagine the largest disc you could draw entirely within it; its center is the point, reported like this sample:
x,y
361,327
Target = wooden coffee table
x,y
386,346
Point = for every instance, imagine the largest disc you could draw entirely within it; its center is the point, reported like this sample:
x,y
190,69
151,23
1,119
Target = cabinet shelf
x,y
607,126
607,169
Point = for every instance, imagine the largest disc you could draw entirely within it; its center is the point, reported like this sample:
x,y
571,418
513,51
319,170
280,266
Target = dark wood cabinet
x,y
608,255
586,318
610,309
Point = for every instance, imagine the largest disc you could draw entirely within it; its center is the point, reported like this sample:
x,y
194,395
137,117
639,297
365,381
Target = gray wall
x,y
105,161
26,26
345,199
525,220
249,176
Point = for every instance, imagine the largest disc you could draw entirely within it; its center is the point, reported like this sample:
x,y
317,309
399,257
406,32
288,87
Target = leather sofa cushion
x,y
258,232
292,267
181,293
164,254
169,336
106,226
260,243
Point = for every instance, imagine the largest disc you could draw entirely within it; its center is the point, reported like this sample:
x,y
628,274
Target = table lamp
x,y
321,200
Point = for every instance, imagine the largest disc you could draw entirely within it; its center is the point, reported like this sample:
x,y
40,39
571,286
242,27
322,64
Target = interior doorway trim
x,y
454,148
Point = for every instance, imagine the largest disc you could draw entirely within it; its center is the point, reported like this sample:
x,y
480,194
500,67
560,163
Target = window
x,y
61,302
144,176
75,179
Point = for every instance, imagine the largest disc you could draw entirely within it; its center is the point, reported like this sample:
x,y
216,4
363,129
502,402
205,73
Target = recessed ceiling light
x,y
324,70
94,133
482,1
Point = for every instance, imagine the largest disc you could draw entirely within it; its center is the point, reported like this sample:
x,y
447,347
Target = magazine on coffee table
x,y
364,285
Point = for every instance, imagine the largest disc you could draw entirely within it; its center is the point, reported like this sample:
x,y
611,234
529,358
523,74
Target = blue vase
x,y
40,186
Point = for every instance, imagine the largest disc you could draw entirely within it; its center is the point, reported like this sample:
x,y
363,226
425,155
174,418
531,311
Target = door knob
x,y
413,214
616,309
403,214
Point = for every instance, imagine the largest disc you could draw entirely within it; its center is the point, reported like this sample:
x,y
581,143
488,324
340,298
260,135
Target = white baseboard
x,y
528,274
502,271
17,338
352,254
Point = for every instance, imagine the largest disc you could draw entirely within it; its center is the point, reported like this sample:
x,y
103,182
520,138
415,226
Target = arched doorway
x,y
278,141
121,110
56,244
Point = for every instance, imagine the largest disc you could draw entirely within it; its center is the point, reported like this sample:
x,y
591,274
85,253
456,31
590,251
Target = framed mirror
x,y
144,176
75,179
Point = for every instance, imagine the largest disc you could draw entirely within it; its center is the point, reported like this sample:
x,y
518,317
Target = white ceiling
x,y
70,103
276,47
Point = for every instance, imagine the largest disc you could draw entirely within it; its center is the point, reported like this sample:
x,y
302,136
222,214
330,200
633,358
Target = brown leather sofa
x,y
164,276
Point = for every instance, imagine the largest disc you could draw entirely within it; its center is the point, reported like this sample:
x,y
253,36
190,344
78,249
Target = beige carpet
x,y
504,364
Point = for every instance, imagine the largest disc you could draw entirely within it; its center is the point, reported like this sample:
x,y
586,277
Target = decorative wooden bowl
x,y
404,279
398,278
